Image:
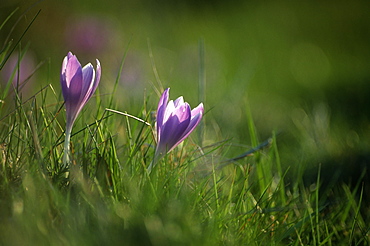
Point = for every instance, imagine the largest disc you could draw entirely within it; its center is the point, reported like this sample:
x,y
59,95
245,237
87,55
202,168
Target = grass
x,y
199,194
110,197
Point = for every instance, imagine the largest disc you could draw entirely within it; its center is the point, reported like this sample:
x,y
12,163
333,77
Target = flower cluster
x,y
175,119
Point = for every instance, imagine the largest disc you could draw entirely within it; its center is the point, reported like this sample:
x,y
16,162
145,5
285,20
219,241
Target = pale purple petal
x,y
73,70
170,108
88,73
183,112
63,83
176,124
180,130
97,75
87,83
197,110
63,79
96,80
195,120
70,72
173,129
64,65
162,104
73,84
91,82
178,101
168,130
70,54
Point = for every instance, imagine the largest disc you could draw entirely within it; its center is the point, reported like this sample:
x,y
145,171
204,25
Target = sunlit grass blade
x,y
201,88
118,78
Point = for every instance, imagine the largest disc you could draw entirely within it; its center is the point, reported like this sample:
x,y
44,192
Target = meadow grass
x,y
196,195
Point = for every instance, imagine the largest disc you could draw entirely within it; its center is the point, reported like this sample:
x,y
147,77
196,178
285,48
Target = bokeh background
x,y
302,67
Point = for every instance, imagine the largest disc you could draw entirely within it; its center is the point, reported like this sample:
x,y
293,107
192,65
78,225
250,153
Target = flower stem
x,y
156,158
67,151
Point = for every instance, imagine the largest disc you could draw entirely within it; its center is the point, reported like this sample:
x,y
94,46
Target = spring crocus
x,y
78,85
175,121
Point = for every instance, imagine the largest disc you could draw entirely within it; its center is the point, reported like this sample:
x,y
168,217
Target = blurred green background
x,y
303,67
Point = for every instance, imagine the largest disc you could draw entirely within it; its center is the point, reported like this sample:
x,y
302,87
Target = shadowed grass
x,y
111,198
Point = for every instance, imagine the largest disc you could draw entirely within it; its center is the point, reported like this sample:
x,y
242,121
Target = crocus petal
x,y
73,71
183,112
63,80
178,101
70,78
74,88
87,83
195,120
162,104
166,134
88,77
197,110
64,66
170,108
98,75
175,126
95,80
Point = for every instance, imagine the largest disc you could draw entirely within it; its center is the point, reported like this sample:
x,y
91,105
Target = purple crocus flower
x,y
78,85
175,121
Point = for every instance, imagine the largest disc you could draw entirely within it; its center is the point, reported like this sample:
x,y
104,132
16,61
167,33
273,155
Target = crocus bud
x,y
78,85
175,121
